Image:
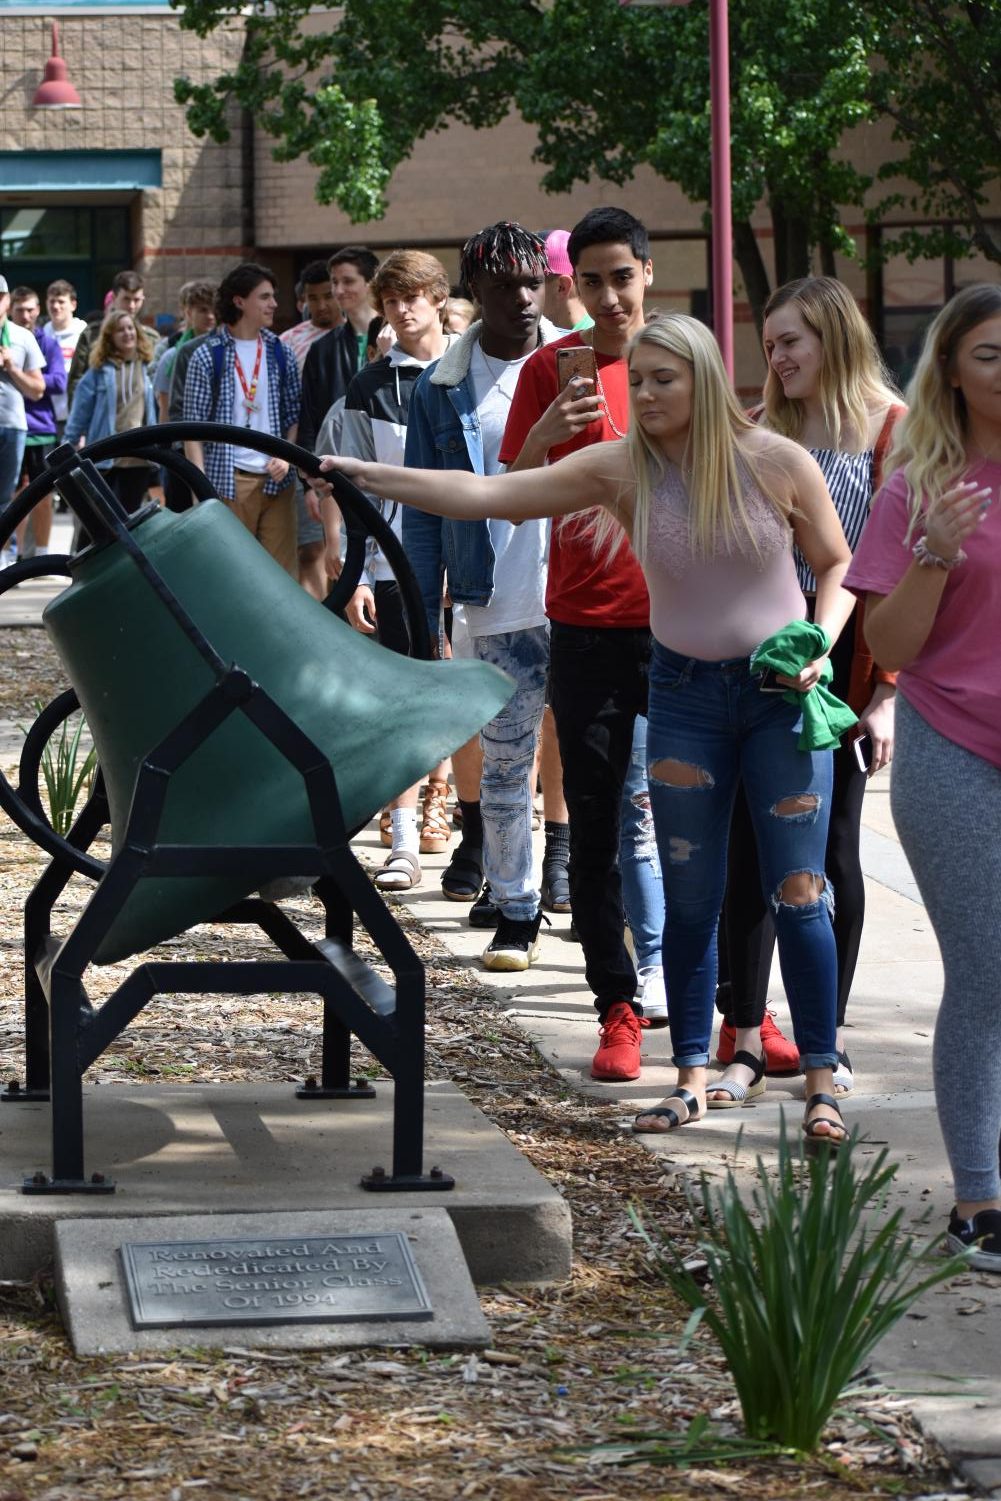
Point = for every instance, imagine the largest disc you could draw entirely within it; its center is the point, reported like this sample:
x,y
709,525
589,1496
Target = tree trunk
x,y
792,243
747,253
827,265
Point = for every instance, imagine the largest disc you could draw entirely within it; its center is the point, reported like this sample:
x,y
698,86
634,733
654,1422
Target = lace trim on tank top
x,y
669,540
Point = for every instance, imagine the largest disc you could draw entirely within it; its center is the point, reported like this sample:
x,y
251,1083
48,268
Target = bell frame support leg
x,y
335,1081
38,910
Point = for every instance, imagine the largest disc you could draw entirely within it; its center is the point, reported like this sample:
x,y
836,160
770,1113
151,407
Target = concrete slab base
x,y
239,1148
90,1285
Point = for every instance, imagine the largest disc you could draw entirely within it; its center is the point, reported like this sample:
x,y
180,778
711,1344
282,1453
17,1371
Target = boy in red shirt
x,y
599,612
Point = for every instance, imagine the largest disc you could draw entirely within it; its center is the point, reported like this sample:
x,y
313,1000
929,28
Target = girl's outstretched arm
x,y
596,476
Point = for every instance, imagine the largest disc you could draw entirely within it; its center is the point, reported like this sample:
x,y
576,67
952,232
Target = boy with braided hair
x,y
496,574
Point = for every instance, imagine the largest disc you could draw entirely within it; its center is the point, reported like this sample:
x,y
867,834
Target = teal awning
x,y
82,171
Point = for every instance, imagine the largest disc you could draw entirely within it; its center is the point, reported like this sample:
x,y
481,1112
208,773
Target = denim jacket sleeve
x,y
82,408
422,534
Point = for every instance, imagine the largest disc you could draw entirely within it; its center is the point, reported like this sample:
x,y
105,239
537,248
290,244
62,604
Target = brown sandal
x,y
435,829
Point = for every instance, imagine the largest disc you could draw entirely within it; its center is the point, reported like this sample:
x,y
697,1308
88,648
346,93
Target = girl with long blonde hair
x,y
712,505
928,569
826,389
114,396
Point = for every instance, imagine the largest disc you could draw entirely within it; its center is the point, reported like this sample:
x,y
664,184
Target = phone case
x,y
574,363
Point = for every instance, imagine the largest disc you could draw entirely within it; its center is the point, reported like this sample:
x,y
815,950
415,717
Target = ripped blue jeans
x,y
711,725
506,784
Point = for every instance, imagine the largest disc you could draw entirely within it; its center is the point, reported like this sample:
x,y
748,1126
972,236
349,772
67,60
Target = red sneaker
x,y
618,1055
781,1053
727,1044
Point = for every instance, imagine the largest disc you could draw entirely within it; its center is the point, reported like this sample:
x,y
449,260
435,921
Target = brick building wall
x,y
123,66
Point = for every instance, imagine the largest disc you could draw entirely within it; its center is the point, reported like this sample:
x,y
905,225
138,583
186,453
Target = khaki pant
x,y
270,518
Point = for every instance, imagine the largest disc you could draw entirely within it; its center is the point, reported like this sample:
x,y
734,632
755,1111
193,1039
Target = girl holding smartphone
x,y
826,389
928,568
712,505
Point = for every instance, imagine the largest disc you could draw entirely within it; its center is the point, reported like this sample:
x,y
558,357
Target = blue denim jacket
x,y
443,432
93,409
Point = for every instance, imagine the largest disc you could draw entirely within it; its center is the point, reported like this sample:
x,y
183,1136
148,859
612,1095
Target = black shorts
x,y
35,455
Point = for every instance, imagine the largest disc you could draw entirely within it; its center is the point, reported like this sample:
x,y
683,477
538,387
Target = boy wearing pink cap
x,y
562,306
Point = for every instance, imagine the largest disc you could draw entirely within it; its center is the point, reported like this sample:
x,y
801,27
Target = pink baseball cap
x,y
556,252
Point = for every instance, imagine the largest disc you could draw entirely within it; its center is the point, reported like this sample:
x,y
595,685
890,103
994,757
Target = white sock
x,y
41,552
403,822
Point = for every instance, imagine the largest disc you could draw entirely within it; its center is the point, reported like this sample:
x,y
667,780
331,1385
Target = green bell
x,y
382,720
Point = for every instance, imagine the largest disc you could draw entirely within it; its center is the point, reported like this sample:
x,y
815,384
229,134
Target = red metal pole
x,y
722,243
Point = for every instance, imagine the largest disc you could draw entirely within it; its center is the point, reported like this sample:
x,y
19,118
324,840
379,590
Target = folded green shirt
x,y
787,652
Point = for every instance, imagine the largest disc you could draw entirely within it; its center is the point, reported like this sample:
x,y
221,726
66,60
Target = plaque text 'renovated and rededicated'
x,y
302,1279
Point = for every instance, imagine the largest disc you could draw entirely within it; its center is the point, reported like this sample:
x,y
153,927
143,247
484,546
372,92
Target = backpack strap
x,y
882,445
218,349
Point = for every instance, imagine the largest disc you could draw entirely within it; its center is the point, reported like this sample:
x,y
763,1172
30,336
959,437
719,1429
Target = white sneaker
x,y
652,994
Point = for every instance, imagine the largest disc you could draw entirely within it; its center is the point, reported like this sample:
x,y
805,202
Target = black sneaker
x,y
484,913
981,1236
515,945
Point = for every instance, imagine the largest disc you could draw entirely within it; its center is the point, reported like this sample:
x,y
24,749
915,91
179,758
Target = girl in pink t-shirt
x,y
929,566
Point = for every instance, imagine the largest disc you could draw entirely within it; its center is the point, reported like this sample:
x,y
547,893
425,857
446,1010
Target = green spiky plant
x,y
808,1277
66,775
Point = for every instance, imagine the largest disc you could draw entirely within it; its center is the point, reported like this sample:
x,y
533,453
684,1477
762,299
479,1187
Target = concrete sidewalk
x,y
24,605
951,1344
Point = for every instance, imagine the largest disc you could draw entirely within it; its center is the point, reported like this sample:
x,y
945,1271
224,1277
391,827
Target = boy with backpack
x,y
243,375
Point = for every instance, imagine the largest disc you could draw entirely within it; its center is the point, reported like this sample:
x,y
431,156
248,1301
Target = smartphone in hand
x,y
770,684
862,746
577,363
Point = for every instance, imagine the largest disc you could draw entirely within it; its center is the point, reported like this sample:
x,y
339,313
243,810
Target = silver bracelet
x,y
928,559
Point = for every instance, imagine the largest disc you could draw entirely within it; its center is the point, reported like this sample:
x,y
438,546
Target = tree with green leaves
x,y
938,78
608,88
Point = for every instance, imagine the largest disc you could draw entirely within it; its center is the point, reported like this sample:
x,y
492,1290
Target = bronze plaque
x,y
274,1280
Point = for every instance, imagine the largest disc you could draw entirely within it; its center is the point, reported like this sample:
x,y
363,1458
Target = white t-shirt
x,y
520,552
67,339
257,418
27,356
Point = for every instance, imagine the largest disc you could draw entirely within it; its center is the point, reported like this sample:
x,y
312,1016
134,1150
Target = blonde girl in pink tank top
x,y
745,495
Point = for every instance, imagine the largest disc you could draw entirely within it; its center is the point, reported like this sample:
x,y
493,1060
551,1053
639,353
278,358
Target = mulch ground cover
x,y
590,1365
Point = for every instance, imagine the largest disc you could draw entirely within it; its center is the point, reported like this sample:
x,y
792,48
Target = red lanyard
x,y
249,392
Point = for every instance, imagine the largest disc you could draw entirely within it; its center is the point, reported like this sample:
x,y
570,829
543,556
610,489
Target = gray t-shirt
x,y
27,356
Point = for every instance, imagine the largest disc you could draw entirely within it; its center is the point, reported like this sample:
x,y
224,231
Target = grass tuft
x,y
65,775
806,1279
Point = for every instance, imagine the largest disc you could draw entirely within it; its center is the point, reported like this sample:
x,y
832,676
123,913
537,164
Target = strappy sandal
x,y
435,829
844,1076
462,878
401,871
815,1139
740,1094
664,1112
386,828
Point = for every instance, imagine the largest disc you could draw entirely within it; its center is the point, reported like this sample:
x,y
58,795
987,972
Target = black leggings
x,y
747,934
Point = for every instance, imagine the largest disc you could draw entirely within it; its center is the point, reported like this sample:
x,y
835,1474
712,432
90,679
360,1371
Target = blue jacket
x,y
443,432
93,409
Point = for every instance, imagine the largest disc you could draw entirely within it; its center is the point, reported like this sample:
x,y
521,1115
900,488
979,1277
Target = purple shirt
x,y
40,416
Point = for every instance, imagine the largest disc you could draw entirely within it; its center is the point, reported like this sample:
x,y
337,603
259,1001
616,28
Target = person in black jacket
x,y
334,360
